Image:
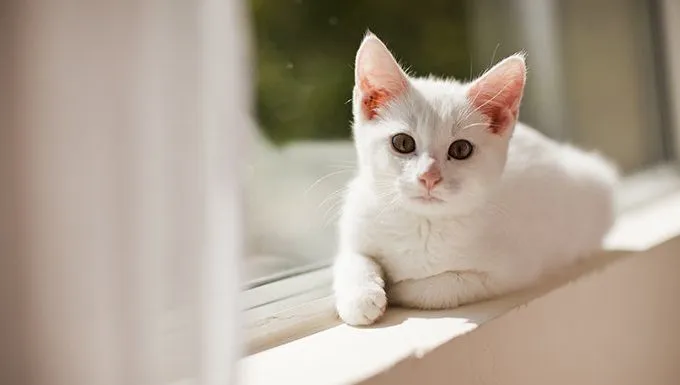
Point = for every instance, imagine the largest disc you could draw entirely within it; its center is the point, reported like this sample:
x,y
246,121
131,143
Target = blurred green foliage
x,y
305,54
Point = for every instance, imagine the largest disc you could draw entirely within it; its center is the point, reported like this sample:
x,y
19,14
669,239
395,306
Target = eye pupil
x,y
403,143
460,149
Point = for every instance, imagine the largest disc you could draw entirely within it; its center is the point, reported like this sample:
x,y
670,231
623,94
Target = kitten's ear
x,y
498,93
377,76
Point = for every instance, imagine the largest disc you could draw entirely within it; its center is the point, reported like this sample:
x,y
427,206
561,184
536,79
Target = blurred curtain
x,y
122,127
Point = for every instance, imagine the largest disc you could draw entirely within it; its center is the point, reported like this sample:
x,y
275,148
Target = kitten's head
x,y
432,146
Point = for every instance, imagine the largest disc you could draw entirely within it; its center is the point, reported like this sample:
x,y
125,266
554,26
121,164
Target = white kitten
x,y
455,201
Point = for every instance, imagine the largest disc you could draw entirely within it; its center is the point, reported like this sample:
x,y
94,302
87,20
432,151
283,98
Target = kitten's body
x,y
543,215
520,206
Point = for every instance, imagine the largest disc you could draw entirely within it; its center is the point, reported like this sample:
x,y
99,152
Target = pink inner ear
x,y
374,97
497,94
378,76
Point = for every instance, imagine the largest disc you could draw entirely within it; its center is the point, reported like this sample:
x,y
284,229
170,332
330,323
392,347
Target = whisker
x,y
322,179
332,195
334,208
333,214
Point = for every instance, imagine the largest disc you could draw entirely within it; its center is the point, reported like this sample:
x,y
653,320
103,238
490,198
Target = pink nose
x,y
430,178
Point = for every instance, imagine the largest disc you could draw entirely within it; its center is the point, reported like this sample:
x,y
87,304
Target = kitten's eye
x,y
460,149
403,143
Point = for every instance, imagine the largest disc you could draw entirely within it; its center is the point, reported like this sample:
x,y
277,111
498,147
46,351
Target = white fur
x,y
518,208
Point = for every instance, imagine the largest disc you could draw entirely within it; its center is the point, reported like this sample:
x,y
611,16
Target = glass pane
x,y
593,79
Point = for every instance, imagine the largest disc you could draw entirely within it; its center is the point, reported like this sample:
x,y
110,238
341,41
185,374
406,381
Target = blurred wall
x,y
12,369
596,71
612,79
670,17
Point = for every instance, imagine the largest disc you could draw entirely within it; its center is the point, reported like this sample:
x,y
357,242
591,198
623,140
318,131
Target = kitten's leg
x,y
359,289
442,291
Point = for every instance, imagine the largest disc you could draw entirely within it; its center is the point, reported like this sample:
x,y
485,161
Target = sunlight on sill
x,y
646,226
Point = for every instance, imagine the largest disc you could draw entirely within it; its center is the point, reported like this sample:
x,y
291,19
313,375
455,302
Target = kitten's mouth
x,y
427,199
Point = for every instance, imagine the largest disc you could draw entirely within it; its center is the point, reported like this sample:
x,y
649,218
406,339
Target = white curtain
x,y
122,132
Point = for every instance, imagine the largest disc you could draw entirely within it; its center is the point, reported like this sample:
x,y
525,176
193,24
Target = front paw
x,y
361,305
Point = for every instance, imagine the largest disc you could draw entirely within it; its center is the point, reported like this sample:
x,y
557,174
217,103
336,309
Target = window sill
x,y
341,354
